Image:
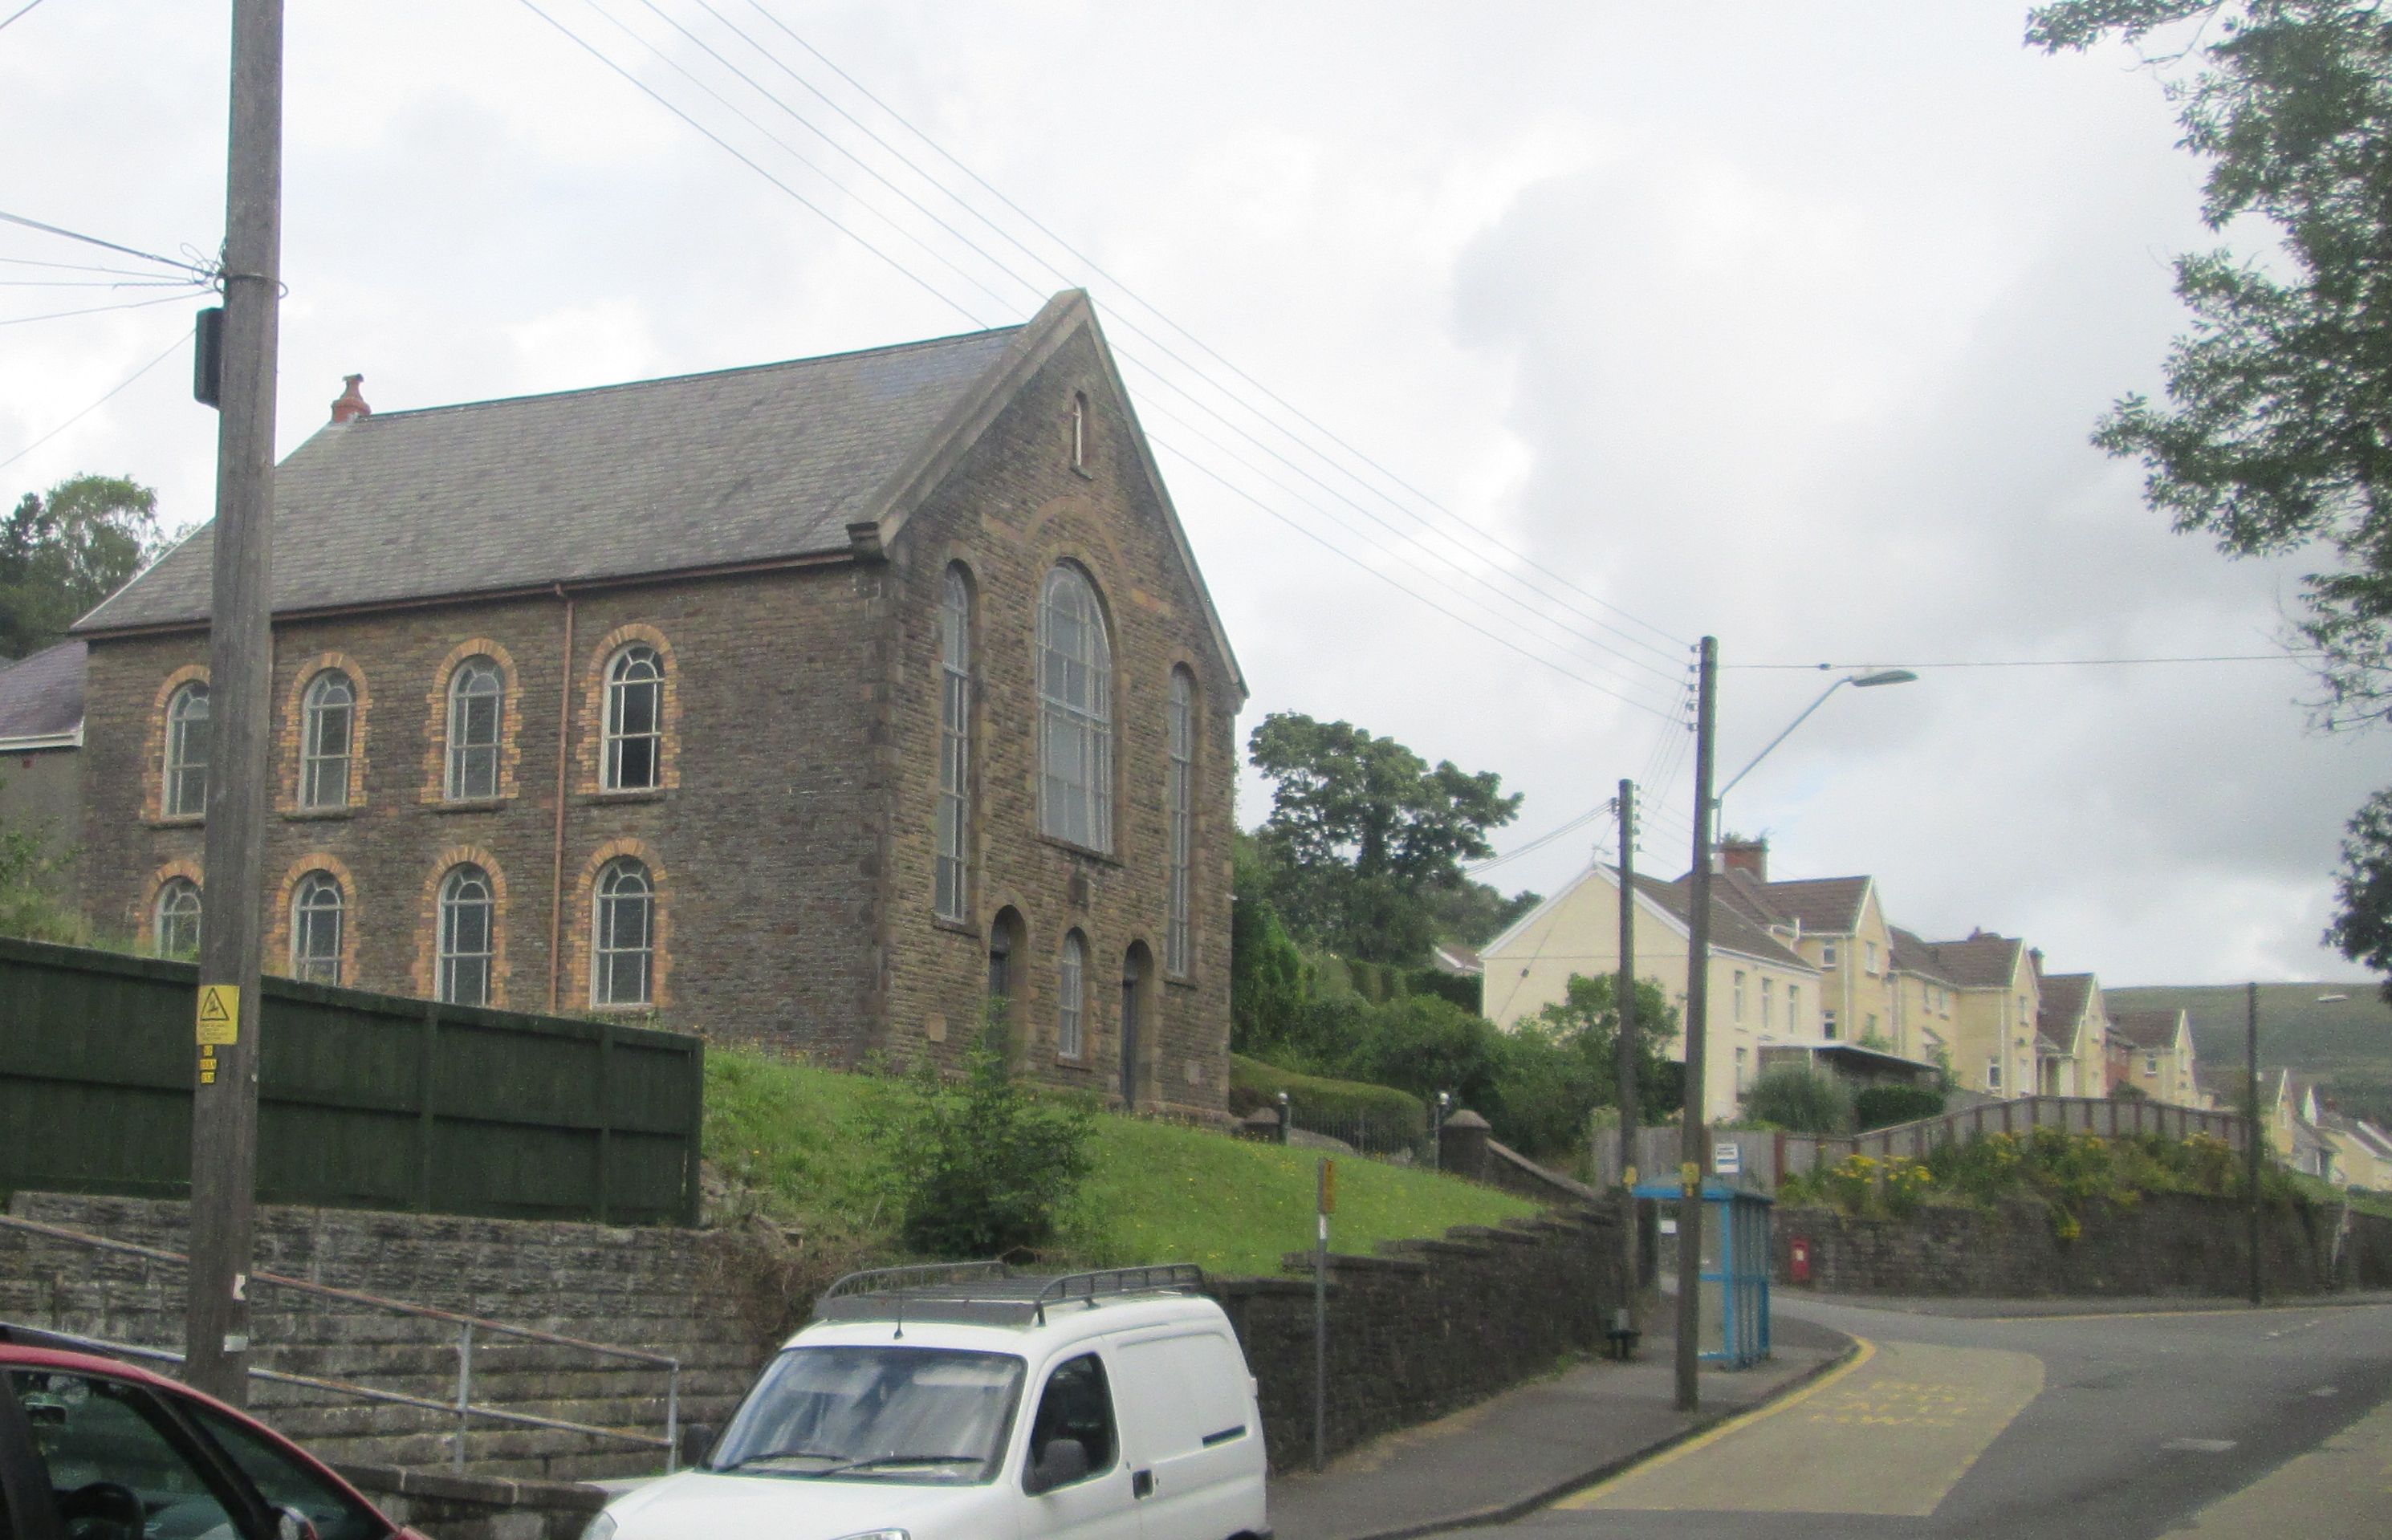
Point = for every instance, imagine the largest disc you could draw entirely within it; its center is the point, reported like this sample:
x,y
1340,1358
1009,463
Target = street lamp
x,y
1860,681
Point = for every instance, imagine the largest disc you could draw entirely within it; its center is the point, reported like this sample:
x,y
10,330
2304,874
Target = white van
x,y
966,1402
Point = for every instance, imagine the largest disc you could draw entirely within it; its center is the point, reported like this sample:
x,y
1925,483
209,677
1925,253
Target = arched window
x,y
468,932
186,752
315,921
175,921
328,713
1075,738
1071,985
635,697
955,746
1179,798
1080,431
477,699
623,943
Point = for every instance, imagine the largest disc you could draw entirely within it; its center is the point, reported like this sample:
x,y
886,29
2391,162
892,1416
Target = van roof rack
x,y
990,1293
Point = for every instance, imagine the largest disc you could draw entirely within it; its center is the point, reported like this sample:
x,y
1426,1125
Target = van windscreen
x,y
934,1415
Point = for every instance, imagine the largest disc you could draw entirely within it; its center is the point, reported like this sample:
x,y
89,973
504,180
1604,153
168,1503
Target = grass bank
x,y
793,1138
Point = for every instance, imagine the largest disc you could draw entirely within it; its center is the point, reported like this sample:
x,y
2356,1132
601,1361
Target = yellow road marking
x,y
1894,1439
1863,1349
2341,1490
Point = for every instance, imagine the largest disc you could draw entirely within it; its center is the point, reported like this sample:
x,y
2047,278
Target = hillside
x,y
2346,1043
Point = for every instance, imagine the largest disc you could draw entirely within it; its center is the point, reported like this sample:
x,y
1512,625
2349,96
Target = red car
x,y
93,1448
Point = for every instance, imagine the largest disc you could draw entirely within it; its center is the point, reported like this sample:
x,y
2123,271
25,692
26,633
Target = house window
x,y
328,713
1071,1037
1768,1004
317,917
1179,796
2151,1064
467,931
478,698
1736,996
1869,1029
186,752
1827,1024
1869,958
1080,432
1739,1071
1826,955
1992,1074
954,746
635,688
623,940
174,922
1075,739
1794,1007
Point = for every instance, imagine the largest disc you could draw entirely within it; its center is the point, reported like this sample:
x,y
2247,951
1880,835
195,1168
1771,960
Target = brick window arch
x,y
168,923
1179,808
1072,997
312,931
631,715
174,772
952,879
472,713
320,737
455,926
622,919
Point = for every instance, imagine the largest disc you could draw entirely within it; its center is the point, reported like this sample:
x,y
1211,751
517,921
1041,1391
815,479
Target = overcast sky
x,y
1785,324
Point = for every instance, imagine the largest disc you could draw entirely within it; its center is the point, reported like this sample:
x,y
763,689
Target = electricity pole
x,y
1693,1153
1624,991
240,661
2251,1130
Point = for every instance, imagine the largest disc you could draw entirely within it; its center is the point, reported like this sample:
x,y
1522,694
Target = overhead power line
x,y
190,268
171,349
21,10
189,292
2038,663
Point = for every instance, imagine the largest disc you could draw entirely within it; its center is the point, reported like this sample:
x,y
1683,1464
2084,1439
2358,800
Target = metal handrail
x,y
463,1406
881,1280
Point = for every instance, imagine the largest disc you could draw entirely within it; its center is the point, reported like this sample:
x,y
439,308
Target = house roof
x,y
40,697
2147,1029
1914,956
1454,958
813,458
1731,931
2066,996
1829,904
1984,961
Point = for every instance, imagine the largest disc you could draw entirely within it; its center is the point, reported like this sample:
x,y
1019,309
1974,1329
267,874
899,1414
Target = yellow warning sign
x,y
219,1015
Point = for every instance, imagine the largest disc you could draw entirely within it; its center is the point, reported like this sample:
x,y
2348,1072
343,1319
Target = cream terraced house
x,y
2152,1049
1835,924
2074,1032
1762,992
1998,990
1923,997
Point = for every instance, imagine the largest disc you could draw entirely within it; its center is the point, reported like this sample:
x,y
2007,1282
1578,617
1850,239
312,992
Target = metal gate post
x,y
464,1388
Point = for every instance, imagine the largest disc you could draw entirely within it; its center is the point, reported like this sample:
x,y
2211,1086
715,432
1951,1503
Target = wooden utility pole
x,y
241,662
1694,1154
1624,991
2250,1132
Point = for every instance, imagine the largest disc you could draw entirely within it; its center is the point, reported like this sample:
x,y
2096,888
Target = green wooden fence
x,y
365,1101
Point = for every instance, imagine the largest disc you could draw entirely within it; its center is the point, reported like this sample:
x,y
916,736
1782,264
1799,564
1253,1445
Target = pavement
x,y
1527,1447
2021,1310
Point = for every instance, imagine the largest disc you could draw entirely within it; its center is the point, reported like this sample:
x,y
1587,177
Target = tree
x,y
1475,913
64,553
2277,433
1363,833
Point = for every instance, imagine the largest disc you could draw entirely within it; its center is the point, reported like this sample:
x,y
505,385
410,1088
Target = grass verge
x,y
791,1139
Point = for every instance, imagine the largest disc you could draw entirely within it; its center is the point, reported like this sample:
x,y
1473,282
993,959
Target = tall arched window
x,y
468,935
623,940
955,746
186,752
315,923
1070,988
175,921
327,715
1075,738
477,699
1080,431
1179,798
635,697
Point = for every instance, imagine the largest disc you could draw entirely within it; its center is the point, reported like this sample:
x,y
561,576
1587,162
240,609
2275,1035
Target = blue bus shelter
x,y
1732,1307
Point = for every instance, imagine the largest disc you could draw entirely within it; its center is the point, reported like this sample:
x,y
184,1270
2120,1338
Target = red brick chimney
x,y
1746,854
351,406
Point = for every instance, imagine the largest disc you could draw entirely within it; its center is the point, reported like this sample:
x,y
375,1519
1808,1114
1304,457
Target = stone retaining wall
x,y
2169,1243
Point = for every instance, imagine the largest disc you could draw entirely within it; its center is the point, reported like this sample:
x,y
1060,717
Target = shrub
x,y
1883,1105
1395,1114
1801,1101
979,1167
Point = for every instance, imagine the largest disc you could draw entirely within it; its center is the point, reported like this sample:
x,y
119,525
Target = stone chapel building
x,y
814,703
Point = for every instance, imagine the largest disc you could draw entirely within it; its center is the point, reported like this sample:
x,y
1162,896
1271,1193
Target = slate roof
x,y
2148,1030
1982,962
694,472
41,696
2065,995
1730,930
1828,904
1914,956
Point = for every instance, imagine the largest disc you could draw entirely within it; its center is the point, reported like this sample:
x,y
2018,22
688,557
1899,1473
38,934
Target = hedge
x,y
1253,1083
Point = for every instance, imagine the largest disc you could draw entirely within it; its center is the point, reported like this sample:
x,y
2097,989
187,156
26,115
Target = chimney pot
x,y
351,404
1746,854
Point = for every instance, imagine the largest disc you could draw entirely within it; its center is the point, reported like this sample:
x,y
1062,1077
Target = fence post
x,y
464,1388
425,1115
673,1418
605,1114
695,1134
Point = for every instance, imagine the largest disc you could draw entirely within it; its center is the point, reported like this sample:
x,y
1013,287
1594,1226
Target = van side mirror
x,y
696,1439
1064,1462
292,1524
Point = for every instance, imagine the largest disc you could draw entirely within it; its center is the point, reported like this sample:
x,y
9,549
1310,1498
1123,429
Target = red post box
x,y
1797,1260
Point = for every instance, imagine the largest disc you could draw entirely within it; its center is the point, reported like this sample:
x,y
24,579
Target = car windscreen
x,y
935,1416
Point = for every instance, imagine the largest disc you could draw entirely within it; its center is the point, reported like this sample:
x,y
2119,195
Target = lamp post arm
x,y
1756,759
